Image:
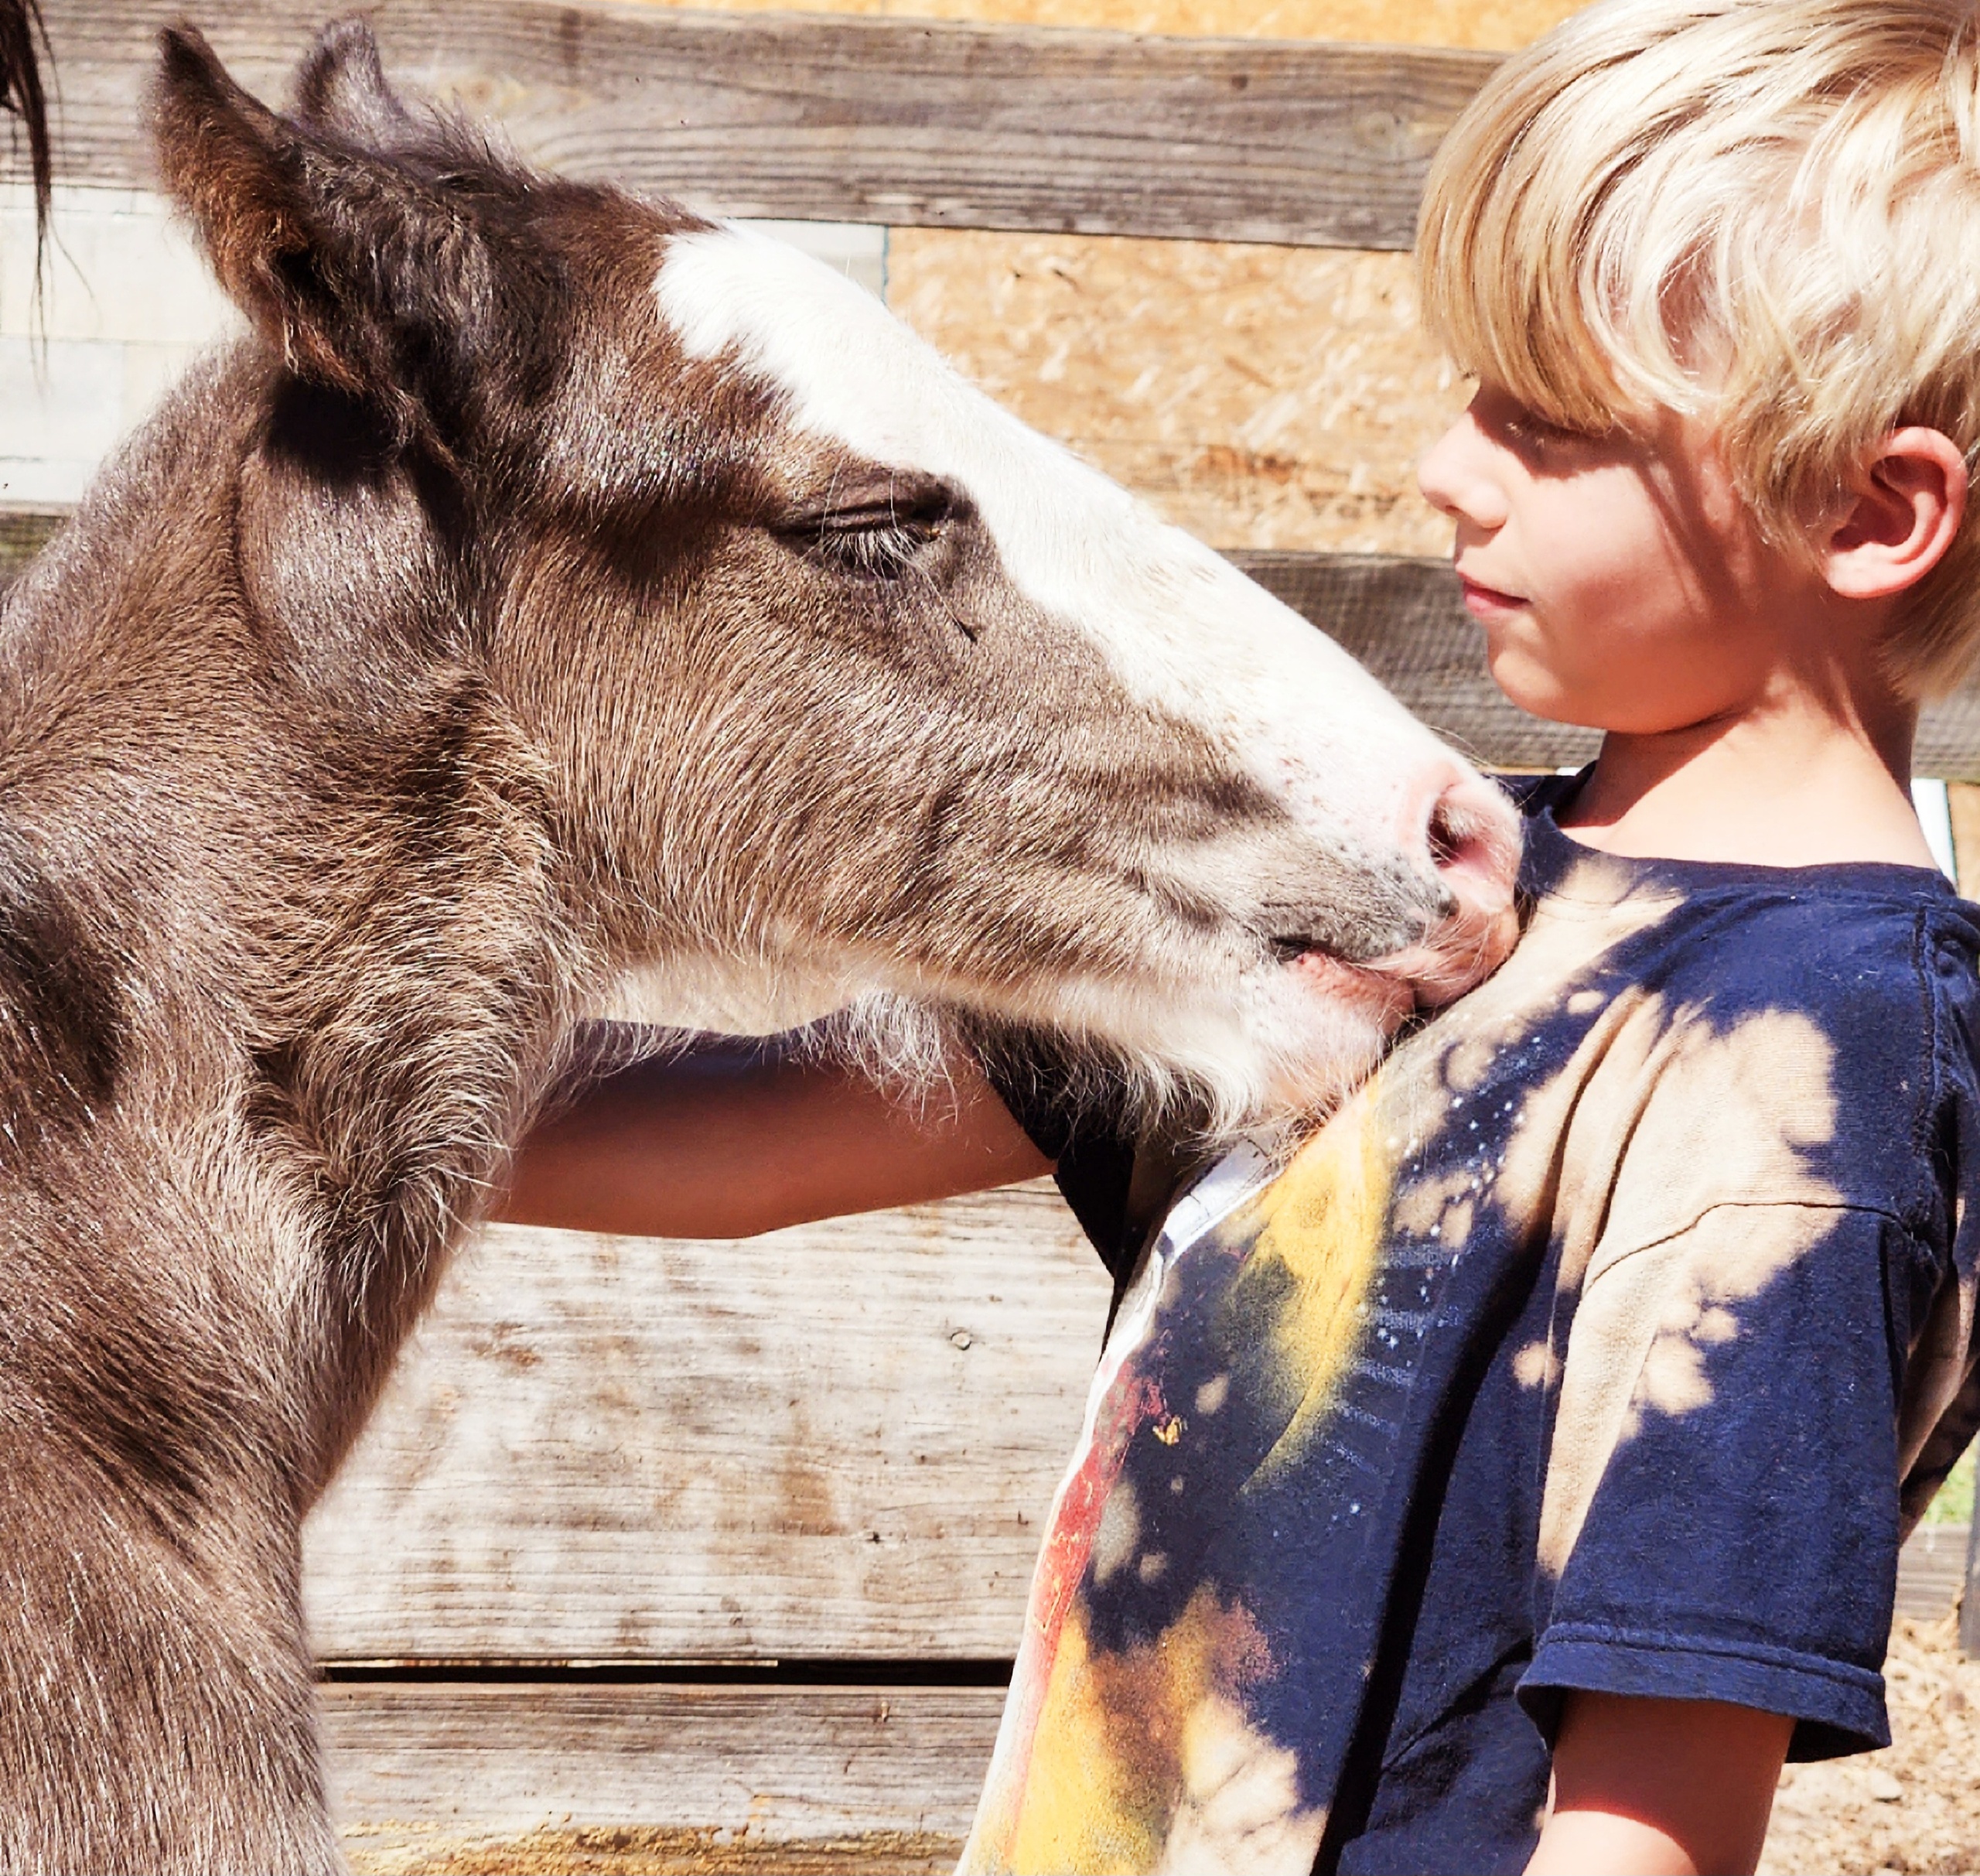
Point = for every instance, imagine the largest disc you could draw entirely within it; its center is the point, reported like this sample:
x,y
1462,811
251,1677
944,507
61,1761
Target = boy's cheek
x,y
1530,670
1571,660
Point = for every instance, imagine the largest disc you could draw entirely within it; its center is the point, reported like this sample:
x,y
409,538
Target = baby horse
x,y
553,586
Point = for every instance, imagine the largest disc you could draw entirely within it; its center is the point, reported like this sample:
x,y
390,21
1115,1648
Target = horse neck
x,y
340,927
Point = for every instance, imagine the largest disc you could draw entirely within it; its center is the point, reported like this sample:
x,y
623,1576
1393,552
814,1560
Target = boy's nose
x,y
1454,479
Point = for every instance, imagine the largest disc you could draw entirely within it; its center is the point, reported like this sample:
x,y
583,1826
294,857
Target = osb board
x,y
1259,396
552,1777
836,1441
1490,25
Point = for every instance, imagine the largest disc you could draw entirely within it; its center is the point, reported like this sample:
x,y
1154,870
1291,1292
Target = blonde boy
x,y
1516,1476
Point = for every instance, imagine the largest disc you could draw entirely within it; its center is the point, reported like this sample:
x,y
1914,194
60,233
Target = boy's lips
x,y
1486,603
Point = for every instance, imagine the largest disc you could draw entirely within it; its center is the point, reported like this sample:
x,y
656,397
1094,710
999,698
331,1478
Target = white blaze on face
x,y
1183,631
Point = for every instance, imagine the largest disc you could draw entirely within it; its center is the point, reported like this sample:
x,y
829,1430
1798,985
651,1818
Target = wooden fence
x,y
716,1552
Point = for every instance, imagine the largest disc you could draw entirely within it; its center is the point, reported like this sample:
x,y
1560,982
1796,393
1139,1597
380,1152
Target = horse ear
x,y
354,266
342,88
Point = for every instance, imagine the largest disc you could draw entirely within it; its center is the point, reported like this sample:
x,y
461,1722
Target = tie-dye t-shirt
x,y
1606,1338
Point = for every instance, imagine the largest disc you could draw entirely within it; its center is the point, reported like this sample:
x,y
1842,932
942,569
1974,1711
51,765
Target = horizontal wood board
x,y
832,1442
504,1776
858,119
835,1442
1931,1570
1404,619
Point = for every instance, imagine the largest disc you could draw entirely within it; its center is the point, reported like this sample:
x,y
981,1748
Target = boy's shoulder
x,y
1887,949
1751,1035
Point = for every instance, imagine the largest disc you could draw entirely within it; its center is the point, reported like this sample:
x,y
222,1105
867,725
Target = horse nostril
x,y
1457,837
1447,838
1468,838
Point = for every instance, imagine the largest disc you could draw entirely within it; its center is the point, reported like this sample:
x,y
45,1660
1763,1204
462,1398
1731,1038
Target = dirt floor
x,y
636,1852
1914,1807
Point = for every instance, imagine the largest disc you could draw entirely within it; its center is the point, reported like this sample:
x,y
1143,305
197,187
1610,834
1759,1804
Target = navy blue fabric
x,y
1739,1540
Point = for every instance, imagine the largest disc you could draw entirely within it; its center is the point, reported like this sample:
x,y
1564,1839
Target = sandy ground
x,y
1914,1806
637,1852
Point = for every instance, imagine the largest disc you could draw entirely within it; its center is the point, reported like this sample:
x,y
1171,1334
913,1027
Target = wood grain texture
x,y
828,1443
549,1775
1402,616
1498,25
835,1441
1404,619
1931,1569
1969,1601
853,119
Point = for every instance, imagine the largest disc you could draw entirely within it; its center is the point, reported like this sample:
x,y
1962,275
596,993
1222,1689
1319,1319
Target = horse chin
x,y
1267,1059
1382,997
1351,1039
1310,1032
723,996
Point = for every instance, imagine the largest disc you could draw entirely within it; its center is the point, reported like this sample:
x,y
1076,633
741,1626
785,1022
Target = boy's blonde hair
x,y
1764,211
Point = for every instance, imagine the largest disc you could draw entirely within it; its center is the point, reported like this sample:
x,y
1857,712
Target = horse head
x,y
829,671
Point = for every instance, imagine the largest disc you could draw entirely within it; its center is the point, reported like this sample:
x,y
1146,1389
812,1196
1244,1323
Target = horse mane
x,y
23,49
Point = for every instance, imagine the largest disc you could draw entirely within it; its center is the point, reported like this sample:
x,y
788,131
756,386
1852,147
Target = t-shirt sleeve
x,y
1719,1515
1090,1145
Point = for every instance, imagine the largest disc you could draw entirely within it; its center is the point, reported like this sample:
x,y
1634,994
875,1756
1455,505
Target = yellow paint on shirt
x,y
1146,1760
1078,1808
1324,1222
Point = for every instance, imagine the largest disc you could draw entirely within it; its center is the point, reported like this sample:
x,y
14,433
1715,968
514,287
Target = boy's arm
x,y
1660,1788
728,1147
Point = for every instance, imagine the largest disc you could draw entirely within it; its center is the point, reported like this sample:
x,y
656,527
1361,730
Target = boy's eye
x,y
1530,428
1519,427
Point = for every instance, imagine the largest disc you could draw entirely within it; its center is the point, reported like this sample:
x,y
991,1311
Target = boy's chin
x,y
1533,688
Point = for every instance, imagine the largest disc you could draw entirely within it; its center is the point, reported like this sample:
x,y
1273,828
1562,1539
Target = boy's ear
x,y
1904,518
364,274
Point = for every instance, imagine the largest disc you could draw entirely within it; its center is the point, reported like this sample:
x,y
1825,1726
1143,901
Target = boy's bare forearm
x,y
1660,1788
694,1149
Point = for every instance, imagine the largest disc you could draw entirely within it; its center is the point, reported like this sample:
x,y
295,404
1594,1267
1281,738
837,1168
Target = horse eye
x,y
872,541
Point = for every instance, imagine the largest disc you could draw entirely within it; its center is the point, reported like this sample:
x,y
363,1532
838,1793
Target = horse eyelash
x,y
872,545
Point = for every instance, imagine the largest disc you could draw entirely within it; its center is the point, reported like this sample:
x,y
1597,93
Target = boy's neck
x,y
1786,784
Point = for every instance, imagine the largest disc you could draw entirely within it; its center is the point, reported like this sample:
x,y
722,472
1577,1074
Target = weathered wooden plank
x,y
854,119
830,1442
1969,1602
23,533
550,1775
1931,1568
1404,618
